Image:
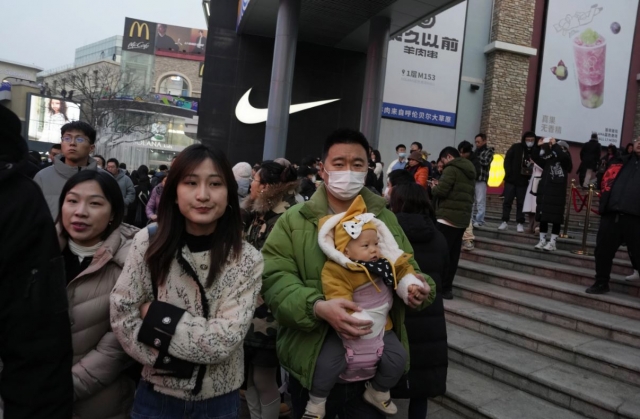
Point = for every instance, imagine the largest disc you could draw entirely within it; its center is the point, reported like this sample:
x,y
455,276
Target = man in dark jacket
x,y
159,175
619,217
517,172
454,194
35,335
589,158
483,157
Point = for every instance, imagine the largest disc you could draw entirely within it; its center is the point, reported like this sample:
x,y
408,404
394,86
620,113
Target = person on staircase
x,y
454,192
466,151
552,189
529,206
619,217
589,158
484,154
272,192
426,329
606,161
518,168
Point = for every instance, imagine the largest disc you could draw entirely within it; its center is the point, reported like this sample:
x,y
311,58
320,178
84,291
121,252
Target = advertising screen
x,y
150,37
585,69
423,70
180,39
47,115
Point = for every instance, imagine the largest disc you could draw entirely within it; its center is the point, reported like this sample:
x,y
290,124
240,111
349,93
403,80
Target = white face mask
x,y
529,144
345,185
542,152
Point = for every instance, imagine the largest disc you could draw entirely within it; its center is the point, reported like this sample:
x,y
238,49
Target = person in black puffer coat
x,y
517,169
426,329
35,333
552,190
589,158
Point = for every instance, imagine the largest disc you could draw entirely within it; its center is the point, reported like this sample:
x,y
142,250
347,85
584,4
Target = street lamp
x,y
206,4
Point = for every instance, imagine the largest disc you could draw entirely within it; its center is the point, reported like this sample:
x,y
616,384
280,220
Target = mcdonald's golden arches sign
x,y
139,36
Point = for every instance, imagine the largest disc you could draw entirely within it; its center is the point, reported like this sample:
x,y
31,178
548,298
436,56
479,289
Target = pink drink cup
x,y
590,67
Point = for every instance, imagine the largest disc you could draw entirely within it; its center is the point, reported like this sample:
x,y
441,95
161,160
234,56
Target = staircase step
x,y
549,269
574,243
435,411
475,395
602,356
496,206
490,230
567,386
576,227
620,266
614,303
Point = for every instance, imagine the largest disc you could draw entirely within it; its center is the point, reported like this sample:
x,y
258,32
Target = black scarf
x,y
380,268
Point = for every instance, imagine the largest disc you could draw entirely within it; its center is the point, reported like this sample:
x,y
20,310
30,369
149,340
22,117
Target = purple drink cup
x,y
590,69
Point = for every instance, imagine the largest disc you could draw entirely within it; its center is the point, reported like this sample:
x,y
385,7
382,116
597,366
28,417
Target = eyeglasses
x,y
78,140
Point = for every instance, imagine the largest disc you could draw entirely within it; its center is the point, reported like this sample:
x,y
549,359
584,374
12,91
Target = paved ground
x,y
435,411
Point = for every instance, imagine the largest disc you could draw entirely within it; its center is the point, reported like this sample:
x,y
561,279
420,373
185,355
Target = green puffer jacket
x,y
293,265
455,191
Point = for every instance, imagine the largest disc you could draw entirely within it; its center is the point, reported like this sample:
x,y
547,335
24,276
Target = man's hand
x,y
335,313
415,299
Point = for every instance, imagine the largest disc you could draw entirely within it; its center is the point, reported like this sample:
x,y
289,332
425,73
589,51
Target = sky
x,y
47,33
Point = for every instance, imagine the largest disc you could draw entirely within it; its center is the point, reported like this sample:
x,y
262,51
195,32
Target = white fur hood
x,y
388,246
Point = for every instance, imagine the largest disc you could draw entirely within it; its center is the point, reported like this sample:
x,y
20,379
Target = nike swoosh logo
x,y
248,114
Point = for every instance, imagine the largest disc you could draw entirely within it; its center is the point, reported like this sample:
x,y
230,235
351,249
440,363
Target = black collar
x,y
198,244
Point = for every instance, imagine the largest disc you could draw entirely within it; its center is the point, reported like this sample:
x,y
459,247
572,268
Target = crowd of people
x,y
165,294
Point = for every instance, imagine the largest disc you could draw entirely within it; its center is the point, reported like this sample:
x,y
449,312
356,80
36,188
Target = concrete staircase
x,y
526,341
576,219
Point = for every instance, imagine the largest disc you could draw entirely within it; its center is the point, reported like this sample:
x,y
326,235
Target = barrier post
x,y
565,234
585,231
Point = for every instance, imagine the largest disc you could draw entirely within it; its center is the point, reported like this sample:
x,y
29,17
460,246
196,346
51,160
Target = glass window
x,y
174,85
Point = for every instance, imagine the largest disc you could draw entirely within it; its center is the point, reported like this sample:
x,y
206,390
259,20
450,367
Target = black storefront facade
x,y
236,63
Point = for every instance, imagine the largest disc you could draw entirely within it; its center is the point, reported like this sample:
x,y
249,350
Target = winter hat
x,y
563,144
355,221
242,171
416,155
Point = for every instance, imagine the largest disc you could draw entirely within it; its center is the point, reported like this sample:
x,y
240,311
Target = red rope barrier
x,y
583,199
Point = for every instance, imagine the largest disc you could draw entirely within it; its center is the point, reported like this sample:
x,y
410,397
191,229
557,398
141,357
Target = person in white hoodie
x,y
78,142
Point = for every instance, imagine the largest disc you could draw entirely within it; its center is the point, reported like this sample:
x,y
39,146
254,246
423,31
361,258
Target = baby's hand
x,y
414,289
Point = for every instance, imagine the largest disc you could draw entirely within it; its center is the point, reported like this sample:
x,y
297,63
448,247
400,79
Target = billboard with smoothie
x,y
585,69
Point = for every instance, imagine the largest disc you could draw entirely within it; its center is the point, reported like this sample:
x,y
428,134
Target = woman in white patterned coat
x,y
186,296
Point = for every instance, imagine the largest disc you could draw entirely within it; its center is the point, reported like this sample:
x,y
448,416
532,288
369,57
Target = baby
x,y
364,262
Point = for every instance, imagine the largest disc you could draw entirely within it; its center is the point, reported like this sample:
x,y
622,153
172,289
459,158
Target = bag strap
x,y
153,229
